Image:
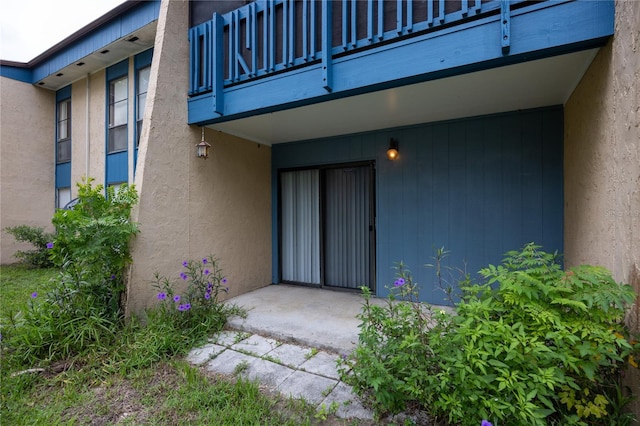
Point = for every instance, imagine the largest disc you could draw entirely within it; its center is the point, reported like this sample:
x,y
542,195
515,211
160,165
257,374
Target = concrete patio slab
x,y
310,387
290,355
290,341
322,364
256,345
206,353
349,406
267,373
227,362
322,319
229,337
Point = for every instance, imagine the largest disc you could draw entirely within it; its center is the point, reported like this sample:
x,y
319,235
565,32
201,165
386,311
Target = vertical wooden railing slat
x,y
380,19
345,19
292,32
208,56
193,60
254,39
399,17
441,12
305,29
272,37
327,30
354,23
217,47
284,29
464,6
370,20
409,25
430,12
505,24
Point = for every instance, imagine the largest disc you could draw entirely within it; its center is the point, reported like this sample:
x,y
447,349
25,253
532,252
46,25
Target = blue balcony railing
x,y
269,36
270,54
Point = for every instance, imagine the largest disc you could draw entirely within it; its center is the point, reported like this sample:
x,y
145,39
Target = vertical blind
x,y
301,226
347,235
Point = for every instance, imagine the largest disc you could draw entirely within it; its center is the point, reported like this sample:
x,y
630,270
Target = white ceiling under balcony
x,y
532,84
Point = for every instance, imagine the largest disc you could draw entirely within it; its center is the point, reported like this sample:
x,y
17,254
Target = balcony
x,y
276,55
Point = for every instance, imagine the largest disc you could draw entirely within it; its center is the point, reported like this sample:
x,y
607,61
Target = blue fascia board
x,y
106,34
22,74
537,31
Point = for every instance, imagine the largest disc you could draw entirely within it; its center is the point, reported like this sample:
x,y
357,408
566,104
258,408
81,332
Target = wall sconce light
x,y
393,152
203,147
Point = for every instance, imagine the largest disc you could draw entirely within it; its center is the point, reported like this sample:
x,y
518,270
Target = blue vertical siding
x,y
477,187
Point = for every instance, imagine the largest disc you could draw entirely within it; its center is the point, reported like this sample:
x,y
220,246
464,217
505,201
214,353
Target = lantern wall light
x,y
203,147
393,151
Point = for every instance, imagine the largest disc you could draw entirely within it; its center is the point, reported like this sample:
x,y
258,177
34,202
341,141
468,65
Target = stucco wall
x,y
93,140
190,207
602,159
26,160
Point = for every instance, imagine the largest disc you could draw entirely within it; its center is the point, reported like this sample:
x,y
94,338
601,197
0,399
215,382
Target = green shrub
x,y
83,308
531,344
36,236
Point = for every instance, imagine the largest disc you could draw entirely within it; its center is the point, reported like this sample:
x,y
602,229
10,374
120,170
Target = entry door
x,y
327,226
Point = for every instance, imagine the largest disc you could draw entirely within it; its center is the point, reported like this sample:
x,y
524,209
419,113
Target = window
x,y
143,85
63,151
118,115
63,196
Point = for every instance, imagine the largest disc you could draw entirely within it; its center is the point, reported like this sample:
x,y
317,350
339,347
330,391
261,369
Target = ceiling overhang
x,y
129,45
525,85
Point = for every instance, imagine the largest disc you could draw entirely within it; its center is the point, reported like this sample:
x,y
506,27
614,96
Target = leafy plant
x,y
38,257
82,309
197,309
530,344
394,359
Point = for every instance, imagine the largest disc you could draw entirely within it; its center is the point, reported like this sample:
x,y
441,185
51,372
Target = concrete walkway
x,y
290,342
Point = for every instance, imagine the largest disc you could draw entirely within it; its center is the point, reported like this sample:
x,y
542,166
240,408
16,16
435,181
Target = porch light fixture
x,y
392,152
203,148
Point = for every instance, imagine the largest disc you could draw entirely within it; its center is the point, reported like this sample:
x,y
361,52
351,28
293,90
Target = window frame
x,y
67,125
115,128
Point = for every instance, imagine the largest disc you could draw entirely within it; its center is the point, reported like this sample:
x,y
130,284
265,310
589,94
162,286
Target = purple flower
x,y
49,245
34,294
207,295
181,308
113,277
486,423
224,281
209,286
185,263
183,275
187,306
204,261
399,282
176,298
226,289
162,296
206,272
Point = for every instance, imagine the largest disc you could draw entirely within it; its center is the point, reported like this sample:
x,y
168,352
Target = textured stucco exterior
x,y
602,160
26,165
190,207
88,129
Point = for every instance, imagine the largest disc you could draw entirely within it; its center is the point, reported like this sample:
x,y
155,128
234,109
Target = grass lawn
x,y
100,387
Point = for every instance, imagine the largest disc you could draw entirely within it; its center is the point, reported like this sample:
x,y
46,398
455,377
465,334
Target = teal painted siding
x,y
477,187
